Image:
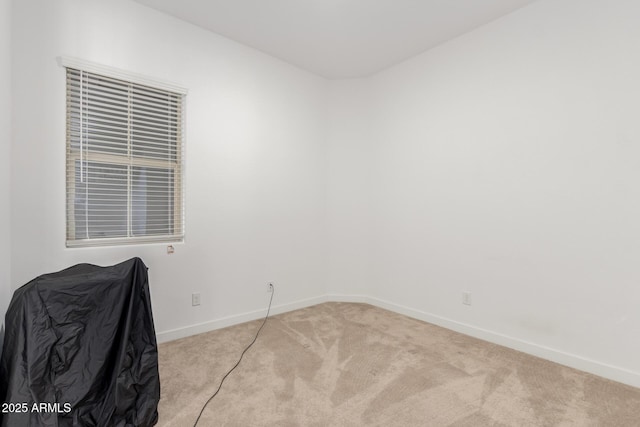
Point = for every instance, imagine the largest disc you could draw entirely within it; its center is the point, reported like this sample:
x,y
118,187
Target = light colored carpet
x,y
343,364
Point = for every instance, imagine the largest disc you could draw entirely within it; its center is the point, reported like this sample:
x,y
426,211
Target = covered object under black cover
x,y
83,337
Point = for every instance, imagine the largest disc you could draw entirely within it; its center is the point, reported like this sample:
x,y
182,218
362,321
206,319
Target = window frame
x,y
177,170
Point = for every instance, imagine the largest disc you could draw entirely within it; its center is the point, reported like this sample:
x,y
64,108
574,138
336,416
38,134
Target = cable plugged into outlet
x,y
466,298
271,289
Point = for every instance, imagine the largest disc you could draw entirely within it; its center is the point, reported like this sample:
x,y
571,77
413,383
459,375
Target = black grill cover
x,y
83,337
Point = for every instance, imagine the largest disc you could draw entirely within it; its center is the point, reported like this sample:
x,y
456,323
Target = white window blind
x,y
124,161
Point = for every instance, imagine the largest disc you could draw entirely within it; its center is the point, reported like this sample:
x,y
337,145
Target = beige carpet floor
x,y
343,364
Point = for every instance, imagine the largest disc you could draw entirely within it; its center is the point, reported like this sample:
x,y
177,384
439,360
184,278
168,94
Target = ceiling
x,y
339,38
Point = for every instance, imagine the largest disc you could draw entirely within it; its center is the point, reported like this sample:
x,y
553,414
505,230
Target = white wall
x,y
5,163
348,188
255,168
508,163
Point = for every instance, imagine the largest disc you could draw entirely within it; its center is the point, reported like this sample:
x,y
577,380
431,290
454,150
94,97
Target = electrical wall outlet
x,y
466,298
195,299
269,287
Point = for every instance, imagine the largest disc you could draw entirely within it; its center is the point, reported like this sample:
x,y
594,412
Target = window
x,y
124,161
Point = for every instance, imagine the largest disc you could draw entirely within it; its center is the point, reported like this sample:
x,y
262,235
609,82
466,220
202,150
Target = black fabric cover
x,y
84,337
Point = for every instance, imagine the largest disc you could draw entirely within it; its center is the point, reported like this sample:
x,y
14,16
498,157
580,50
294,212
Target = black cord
x,y
239,360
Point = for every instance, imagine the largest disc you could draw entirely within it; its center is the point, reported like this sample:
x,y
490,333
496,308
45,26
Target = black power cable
x,y
241,356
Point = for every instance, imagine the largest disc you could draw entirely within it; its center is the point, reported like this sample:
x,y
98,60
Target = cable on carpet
x,y
240,359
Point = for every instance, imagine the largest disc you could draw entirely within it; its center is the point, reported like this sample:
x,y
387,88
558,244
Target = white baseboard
x,y
604,370
200,328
